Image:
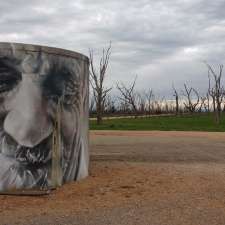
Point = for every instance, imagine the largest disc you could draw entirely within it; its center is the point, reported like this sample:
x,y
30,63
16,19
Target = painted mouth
x,y
40,154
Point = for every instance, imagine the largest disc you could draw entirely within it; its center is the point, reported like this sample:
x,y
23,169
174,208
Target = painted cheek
x,y
68,125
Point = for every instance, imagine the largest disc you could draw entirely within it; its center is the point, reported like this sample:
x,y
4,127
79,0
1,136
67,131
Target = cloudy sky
x,y
162,41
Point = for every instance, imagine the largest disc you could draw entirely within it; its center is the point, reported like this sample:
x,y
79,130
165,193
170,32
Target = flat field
x,y
195,122
136,177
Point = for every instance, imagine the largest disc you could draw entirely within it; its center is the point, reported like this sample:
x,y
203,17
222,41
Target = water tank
x,y
43,116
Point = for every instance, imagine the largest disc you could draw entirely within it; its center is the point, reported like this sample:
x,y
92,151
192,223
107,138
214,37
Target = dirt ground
x,y
147,178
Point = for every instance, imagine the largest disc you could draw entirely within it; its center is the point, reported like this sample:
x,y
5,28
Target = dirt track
x,y
152,178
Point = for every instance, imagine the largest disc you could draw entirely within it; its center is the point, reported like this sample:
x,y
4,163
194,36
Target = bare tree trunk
x,y
216,92
99,110
176,99
141,104
149,96
97,81
208,102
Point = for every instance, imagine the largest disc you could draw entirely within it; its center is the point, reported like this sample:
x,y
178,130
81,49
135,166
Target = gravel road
x,y
152,178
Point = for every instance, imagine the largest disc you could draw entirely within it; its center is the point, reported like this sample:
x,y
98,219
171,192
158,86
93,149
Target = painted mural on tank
x,y
43,116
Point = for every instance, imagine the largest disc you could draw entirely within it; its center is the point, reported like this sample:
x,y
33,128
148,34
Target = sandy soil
x,y
152,178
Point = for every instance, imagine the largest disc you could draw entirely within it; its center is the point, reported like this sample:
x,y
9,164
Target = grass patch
x,y
196,122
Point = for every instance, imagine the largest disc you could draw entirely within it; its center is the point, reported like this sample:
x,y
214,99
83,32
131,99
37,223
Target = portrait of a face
x,y
43,103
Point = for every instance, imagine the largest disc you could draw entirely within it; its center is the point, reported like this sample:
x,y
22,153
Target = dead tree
x,y
216,91
129,95
191,94
211,94
124,108
109,105
202,104
207,102
176,95
149,96
162,106
141,103
97,81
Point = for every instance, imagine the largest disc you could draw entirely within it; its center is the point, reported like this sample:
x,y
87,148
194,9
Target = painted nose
x,y
27,121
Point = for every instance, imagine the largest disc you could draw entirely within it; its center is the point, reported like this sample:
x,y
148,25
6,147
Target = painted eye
x,y
9,76
71,92
60,83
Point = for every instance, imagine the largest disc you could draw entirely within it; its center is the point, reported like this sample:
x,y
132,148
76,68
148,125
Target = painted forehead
x,y
38,63
35,64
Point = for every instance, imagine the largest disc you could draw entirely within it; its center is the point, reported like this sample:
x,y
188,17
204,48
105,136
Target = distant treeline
x,y
131,102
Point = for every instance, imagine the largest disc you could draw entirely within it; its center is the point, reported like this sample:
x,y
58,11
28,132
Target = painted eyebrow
x,y
9,66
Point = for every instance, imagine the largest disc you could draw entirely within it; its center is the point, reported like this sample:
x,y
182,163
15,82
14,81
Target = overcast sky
x,y
162,41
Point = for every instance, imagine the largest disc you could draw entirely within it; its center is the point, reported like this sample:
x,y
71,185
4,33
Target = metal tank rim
x,y
42,48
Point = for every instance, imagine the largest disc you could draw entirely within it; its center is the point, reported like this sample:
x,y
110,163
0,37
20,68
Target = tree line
x,y
145,103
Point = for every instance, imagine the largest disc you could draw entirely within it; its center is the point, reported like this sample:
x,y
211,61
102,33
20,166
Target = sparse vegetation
x,y
207,107
195,122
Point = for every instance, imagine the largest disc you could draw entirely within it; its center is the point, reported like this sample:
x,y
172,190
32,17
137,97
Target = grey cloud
x,y
162,41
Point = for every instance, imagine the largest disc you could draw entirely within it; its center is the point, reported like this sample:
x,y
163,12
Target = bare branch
x,y
216,91
128,94
97,81
192,98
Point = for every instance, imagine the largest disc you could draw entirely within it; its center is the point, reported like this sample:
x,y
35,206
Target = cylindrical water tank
x,y
43,116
